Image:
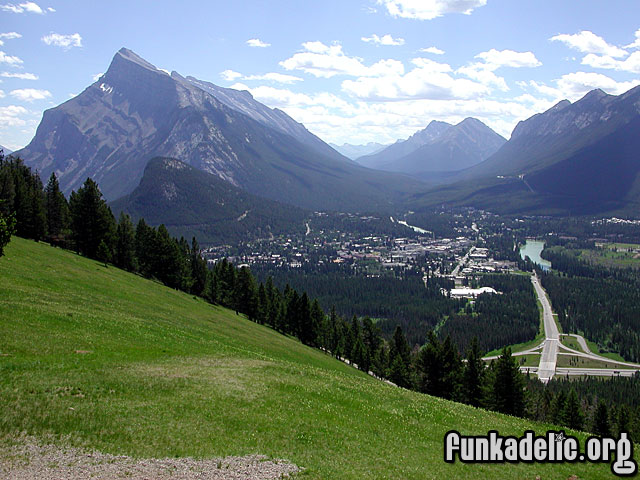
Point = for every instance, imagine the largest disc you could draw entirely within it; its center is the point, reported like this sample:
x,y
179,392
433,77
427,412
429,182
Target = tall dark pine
x,y
125,252
508,385
601,420
57,211
91,219
473,375
198,269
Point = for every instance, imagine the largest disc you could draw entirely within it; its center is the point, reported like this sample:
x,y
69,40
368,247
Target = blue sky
x,y
354,71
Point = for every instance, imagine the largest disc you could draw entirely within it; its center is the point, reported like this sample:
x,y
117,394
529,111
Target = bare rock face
x,y
136,112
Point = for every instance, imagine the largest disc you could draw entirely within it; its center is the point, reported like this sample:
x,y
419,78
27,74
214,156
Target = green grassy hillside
x,y
111,361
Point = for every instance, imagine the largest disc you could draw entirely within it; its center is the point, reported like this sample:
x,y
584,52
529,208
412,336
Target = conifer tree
x,y
601,420
57,211
473,376
572,415
125,251
508,385
91,219
198,268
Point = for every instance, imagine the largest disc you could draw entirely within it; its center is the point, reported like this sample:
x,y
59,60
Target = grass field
x,y
565,360
571,342
99,358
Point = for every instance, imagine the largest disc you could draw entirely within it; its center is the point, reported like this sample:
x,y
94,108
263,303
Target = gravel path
x,y
33,461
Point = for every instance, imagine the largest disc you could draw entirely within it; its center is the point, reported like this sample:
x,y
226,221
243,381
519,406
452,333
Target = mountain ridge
x,y
135,112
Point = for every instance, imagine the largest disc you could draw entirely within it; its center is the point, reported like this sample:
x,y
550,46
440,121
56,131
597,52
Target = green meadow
x,y
98,358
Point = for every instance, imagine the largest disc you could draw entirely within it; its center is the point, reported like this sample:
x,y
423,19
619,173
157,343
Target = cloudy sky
x,y
352,71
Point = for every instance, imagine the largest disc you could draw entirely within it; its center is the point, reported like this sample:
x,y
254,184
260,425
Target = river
x,y
532,249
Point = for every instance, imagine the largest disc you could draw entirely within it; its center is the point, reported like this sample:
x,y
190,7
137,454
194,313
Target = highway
x,y
549,355
551,347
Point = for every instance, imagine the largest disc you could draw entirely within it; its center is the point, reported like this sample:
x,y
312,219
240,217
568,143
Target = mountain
x,y
190,203
136,112
405,147
579,158
458,147
5,150
355,151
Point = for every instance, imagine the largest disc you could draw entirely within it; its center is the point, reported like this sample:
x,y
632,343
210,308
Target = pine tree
x,y
473,376
601,420
91,219
400,354
508,386
451,383
57,212
572,414
146,249
429,366
125,251
198,269
7,228
246,297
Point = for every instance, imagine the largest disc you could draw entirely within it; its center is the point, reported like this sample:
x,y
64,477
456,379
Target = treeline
x,y
601,303
603,407
496,320
391,300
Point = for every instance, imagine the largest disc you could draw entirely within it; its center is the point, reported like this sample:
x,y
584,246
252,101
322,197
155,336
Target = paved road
x,y
549,355
593,372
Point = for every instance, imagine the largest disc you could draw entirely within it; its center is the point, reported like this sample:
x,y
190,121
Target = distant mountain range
x,y
136,112
5,150
579,158
194,203
440,147
355,151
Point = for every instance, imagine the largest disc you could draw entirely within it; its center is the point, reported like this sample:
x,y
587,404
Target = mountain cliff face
x,y
136,112
559,133
458,147
580,158
440,147
405,147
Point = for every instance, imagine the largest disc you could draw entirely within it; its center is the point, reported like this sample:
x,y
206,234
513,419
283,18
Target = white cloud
x,y
635,44
428,80
26,7
30,94
508,58
326,61
433,50
429,9
9,60
256,42
484,74
574,86
274,77
21,76
10,116
8,36
493,59
588,42
384,40
230,75
63,41
2,95
630,64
